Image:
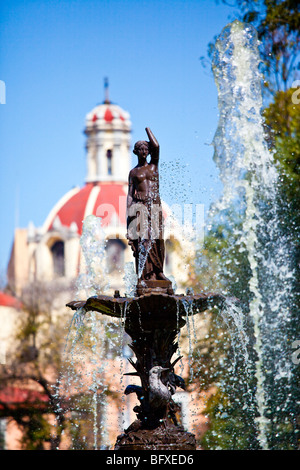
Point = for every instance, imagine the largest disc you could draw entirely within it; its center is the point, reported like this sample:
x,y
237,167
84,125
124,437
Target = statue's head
x,y
141,148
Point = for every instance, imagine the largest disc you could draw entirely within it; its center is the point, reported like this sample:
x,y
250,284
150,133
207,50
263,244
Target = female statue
x,y
144,212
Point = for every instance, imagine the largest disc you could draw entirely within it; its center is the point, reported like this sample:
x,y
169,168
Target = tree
x,y
33,367
282,118
278,26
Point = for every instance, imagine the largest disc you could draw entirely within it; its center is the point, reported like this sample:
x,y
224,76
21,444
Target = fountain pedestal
x,y
153,321
165,437
155,286
153,317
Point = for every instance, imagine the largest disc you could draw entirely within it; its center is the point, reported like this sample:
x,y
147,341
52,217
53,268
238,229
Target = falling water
x,y
92,339
130,279
250,180
232,316
93,279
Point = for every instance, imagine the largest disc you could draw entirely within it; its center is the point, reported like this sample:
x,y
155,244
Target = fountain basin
x,y
153,321
153,310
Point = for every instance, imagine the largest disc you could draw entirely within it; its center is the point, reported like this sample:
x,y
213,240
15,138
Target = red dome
x,y
7,300
105,200
107,116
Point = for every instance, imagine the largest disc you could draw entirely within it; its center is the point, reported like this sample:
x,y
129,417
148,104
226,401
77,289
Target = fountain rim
x,y
106,304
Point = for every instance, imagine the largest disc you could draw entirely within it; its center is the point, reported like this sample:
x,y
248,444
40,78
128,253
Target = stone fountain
x,y
153,317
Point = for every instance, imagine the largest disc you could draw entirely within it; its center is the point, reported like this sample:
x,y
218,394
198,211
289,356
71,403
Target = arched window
x,y
109,162
115,255
58,256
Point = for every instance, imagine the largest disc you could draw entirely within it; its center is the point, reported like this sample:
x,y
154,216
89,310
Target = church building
x,y
52,251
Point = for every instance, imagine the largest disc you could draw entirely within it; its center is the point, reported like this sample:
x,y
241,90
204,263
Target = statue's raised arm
x,y
153,147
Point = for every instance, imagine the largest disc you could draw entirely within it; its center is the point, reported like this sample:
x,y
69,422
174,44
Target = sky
x,y
54,56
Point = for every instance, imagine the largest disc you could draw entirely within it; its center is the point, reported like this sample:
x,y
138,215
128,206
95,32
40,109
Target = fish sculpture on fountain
x,y
154,316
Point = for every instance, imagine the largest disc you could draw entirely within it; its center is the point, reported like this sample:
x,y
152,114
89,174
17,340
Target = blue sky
x,y
54,56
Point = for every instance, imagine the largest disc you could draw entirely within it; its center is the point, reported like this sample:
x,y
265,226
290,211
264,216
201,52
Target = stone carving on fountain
x,y
153,317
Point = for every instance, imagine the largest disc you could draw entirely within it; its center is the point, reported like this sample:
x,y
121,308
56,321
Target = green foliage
x,y
229,428
278,26
36,431
283,125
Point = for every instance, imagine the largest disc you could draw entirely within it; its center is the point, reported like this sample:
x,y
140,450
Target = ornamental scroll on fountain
x,y
154,316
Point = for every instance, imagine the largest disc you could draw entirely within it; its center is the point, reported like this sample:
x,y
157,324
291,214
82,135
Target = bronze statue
x,y
144,213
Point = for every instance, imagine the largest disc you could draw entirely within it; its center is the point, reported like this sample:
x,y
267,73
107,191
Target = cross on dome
x,y
106,91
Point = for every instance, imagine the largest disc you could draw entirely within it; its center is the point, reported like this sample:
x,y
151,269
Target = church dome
x,y
108,128
105,200
107,116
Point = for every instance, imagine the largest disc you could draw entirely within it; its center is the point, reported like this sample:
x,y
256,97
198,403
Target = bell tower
x,y
108,132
